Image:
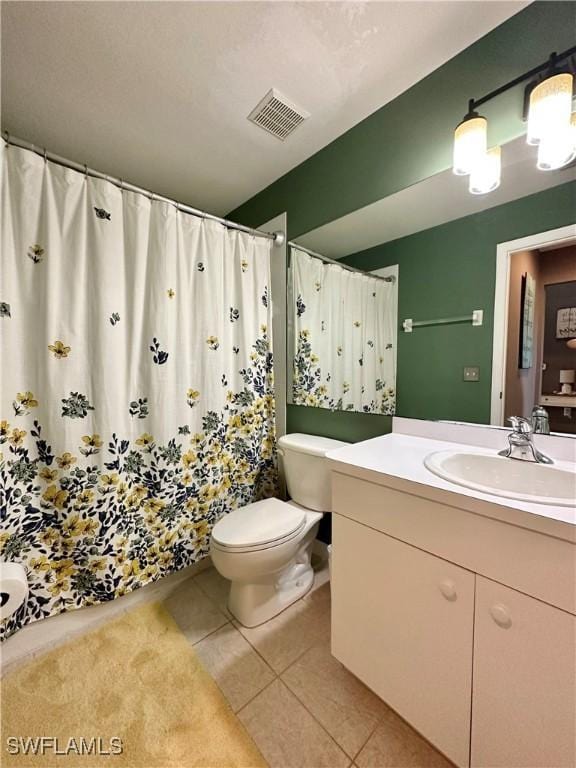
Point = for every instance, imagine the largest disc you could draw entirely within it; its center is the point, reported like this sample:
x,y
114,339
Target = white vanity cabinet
x,y
402,621
524,703
464,624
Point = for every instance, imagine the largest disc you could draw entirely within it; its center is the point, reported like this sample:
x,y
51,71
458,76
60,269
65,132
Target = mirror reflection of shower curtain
x,y
344,337
137,400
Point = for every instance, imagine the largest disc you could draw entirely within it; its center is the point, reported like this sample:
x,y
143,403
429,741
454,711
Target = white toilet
x,y
264,548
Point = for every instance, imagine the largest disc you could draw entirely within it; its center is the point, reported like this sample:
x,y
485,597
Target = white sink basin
x,y
500,476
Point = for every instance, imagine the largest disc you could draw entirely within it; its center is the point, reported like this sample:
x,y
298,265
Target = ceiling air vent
x,y
277,115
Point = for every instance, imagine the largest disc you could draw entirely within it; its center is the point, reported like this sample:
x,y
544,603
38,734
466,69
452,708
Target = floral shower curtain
x,y
344,337
137,395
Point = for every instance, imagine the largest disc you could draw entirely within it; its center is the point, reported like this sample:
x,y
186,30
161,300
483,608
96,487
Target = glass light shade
x,y
550,107
559,149
470,143
485,176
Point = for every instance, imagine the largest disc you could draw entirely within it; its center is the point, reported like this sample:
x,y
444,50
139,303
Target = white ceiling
x,y
158,93
436,200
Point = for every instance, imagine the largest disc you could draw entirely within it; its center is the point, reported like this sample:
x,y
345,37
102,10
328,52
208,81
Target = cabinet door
x,y
402,621
524,702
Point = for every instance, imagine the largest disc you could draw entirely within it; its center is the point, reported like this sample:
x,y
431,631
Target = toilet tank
x,y
306,469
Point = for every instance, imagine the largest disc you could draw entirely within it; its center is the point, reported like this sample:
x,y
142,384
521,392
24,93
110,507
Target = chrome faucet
x,y
540,421
520,445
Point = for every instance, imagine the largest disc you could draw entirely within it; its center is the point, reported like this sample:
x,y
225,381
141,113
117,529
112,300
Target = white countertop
x,y
400,457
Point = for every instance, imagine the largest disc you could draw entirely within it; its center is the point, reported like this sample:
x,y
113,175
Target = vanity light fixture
x,y
472,156
550,106
558,149
485,175
470,143
551,124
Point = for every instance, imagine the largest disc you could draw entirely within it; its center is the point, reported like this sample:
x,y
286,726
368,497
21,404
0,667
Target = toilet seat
x,y
257,547
261,525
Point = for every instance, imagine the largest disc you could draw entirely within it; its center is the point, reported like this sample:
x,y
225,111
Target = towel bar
x,y
476,318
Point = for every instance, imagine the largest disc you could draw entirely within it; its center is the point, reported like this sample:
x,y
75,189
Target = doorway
x,y
534,352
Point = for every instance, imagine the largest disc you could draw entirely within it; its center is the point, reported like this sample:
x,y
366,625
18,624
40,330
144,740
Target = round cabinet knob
x,y
501,615
448,589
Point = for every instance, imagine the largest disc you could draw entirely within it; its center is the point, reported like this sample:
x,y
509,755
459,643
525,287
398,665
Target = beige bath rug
x,y
132,693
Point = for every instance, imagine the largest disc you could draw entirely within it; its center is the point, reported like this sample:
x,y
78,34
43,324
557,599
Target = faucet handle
x,y
520,425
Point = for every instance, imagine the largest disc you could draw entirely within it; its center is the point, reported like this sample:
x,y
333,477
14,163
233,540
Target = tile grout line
x,y
316,719
294,661
297,659
256,695
278,677
205,637
256,651
275,676
231,621
372,732
379,718
210,598
312,715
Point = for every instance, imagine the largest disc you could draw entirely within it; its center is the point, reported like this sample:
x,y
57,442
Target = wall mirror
x,y
436,303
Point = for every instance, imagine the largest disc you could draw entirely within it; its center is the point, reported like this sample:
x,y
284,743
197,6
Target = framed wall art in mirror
x,y
528,291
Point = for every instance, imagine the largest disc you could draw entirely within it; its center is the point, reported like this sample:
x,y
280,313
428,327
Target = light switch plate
x,y
471,373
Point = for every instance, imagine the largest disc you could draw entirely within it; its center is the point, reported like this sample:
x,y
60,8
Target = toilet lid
x,y
258,524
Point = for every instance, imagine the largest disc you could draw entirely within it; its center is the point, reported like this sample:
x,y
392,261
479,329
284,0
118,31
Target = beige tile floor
x,y
301,706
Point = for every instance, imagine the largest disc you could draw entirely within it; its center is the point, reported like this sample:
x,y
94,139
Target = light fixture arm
x,y
551,63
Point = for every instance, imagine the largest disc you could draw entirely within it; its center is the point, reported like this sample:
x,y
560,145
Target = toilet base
x,y
254,603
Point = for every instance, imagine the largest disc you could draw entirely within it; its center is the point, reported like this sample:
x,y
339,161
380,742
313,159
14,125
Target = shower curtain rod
x,y
277,237
390,279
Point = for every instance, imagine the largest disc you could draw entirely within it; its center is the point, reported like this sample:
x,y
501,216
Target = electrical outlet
x,y
471,373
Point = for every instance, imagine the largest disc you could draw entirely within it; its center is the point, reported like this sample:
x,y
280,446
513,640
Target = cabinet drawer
x,y
402,621
528,561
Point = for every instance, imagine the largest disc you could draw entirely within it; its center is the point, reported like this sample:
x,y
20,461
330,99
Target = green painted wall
x,y
410,138
340,425
451,270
